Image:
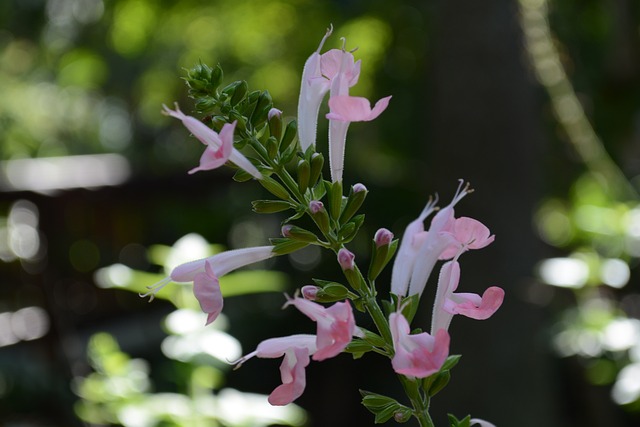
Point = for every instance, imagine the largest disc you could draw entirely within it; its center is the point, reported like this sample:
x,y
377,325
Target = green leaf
x,y
319,191
383,407
454,422
242,176
410,307
436,382
373,338
358,348
451,362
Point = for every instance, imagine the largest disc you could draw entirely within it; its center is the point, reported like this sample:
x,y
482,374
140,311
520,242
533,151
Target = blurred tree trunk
x,y
486,130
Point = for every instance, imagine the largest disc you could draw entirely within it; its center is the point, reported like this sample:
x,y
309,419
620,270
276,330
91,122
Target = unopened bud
x,y
304,170
346,259
383,237
275,123
354,202
357,188
316,206
310,292
317,161
286,230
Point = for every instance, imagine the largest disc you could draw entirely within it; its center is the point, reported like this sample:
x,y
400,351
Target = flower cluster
x,y
240,118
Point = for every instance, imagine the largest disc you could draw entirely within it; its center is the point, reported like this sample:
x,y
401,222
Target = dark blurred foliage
x,y
89,77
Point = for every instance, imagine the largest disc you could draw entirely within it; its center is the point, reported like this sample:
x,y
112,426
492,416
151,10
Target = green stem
x,y
379,318
419,401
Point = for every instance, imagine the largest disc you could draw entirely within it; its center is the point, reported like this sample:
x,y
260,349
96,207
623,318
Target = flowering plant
x,y
242,119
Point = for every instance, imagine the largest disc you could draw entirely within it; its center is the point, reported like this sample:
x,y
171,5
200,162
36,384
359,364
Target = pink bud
x,y
286,230
359,187
316,206
310,292
382,237
345,259
274,112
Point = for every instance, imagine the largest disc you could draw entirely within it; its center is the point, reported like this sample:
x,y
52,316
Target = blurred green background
x,y
535,102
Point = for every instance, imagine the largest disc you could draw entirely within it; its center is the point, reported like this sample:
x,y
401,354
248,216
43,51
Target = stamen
x,y
344,44
153,289
238,363
461,192
430,207
326,36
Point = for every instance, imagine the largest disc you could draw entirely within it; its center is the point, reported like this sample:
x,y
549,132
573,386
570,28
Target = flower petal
x,y
293,377
474,306
206,288
346,108
418,355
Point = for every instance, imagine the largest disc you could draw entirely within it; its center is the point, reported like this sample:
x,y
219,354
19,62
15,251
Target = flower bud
x,y
346,259
239,93
382,249
290,133
261,111
359,187
310,292
304,170
275,123
316,206
382,237
296,233
317,161
354,201
286,230
275,188
319,215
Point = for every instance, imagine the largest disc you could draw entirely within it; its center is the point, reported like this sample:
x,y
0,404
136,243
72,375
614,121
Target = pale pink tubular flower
x,y
219,146
417,355
336,325
406,256
437,240
482,423
313,88
344,71
206,288
219,264
296,350
448,303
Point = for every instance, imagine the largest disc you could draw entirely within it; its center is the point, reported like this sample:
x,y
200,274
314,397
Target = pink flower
x,y
313,88
417,355
435,242
343,69
468,234
336,325
355,109
409,245
332,63
447,303
219,146
206,272
296,350
206,288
